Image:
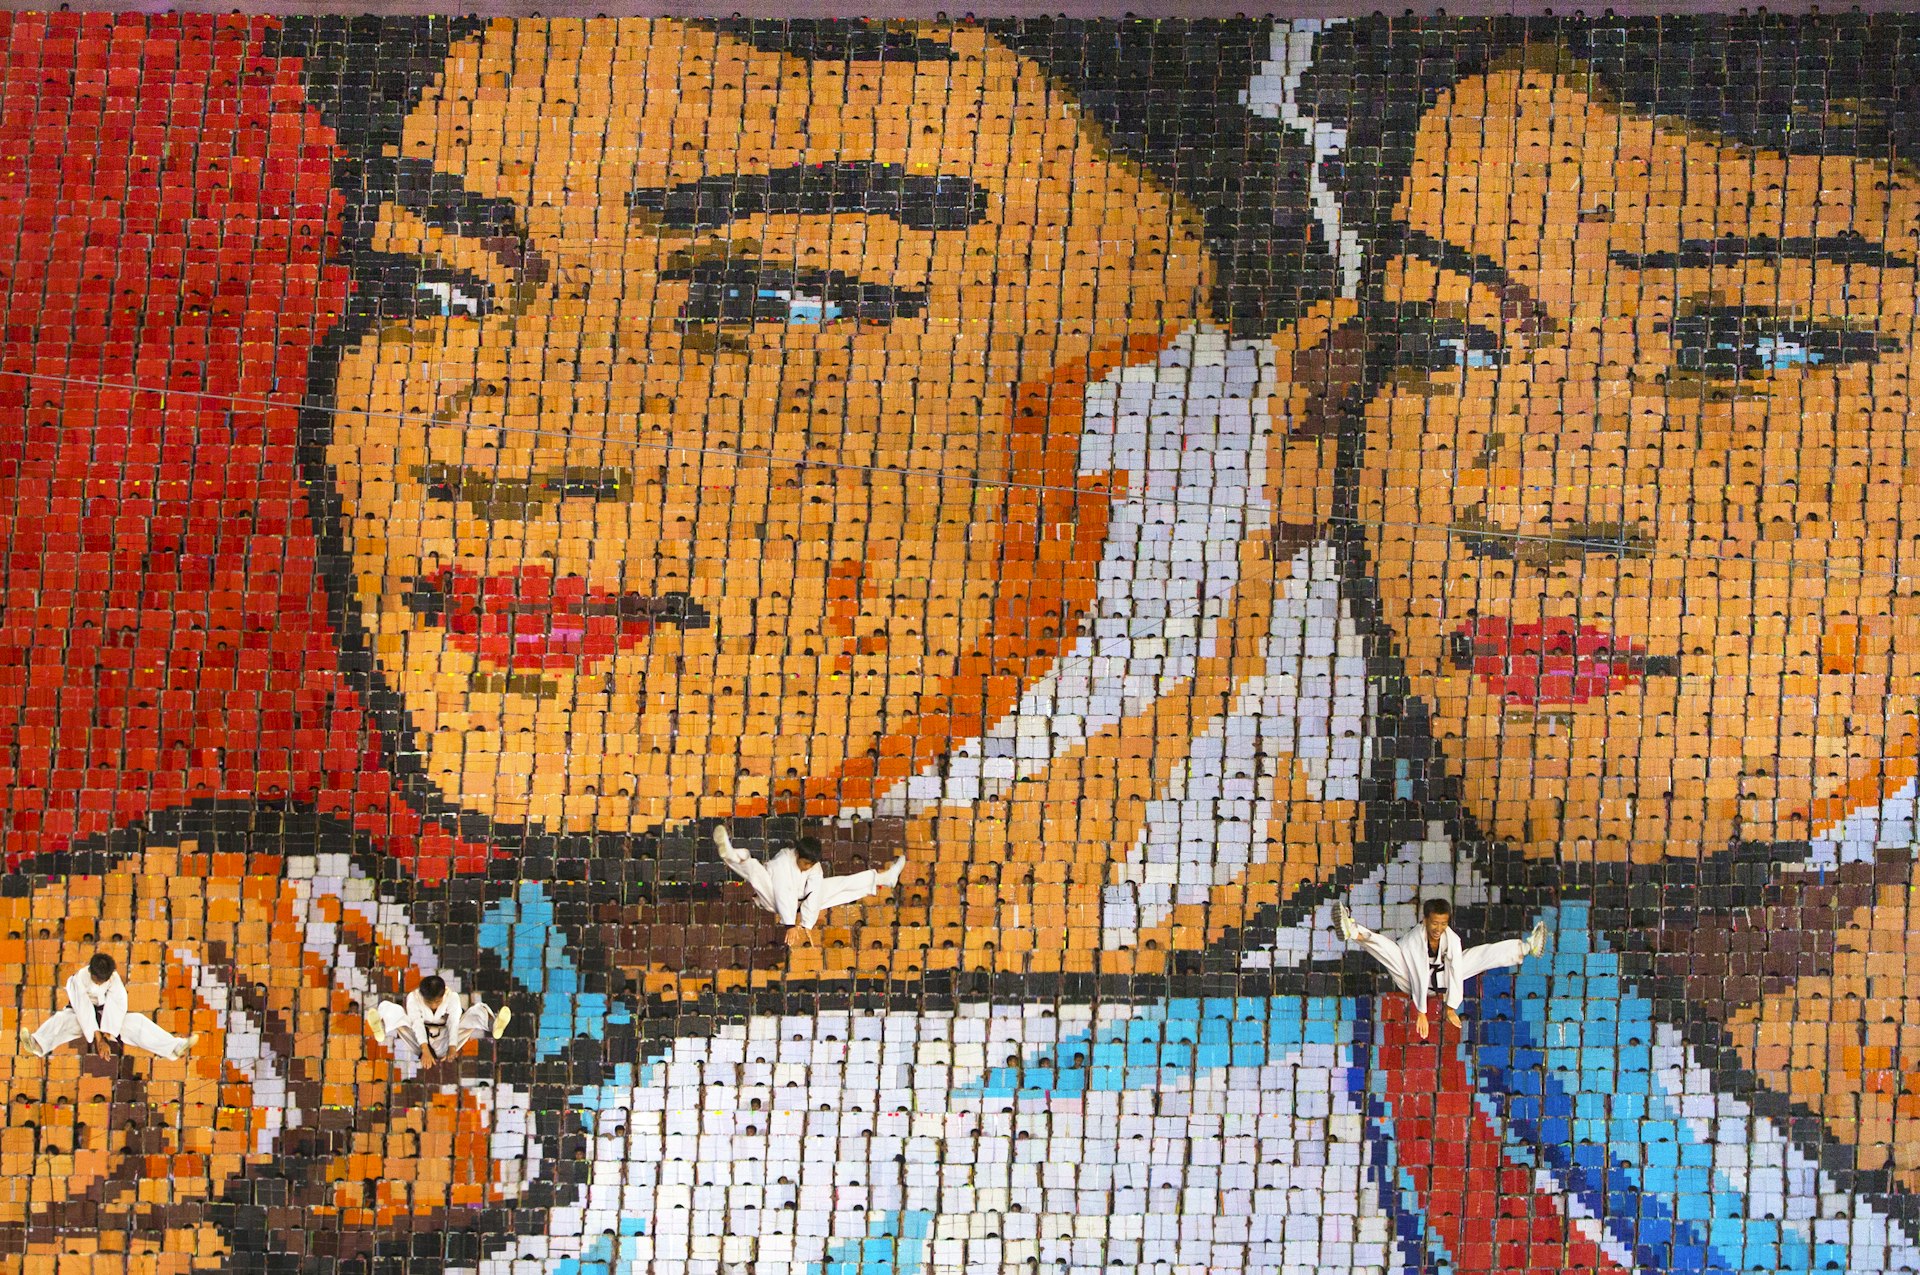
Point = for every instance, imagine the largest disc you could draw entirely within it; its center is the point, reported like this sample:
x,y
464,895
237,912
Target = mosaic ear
x,y
1319,371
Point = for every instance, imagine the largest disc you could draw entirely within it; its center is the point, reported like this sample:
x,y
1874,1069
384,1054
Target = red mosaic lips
x,y
1557,661
531,621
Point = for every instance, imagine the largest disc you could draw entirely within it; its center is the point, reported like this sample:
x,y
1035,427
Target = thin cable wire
x,y
1581,544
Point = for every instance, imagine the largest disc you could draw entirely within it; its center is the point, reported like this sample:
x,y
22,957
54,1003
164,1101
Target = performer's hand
x,y
1422,1026
721,841
799,936
1454,1018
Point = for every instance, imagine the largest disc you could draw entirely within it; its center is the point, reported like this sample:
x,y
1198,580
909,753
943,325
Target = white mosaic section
x,y
795,1144
1184,439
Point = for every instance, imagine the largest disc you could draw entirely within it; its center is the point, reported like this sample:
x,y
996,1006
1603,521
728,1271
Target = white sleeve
x,y
114,1013
417,1018
82,1005
1414,957
786,891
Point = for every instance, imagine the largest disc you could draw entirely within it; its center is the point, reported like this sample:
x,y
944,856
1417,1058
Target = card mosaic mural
x,y
1164,480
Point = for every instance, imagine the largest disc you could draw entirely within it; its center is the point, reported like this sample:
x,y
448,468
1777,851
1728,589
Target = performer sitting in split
x,y
97,1013
794,887
432,1022
1429,960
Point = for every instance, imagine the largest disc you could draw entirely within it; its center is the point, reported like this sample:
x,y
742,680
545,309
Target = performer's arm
x,y
82,1005
114,1013
788,895
450,1007
417,1021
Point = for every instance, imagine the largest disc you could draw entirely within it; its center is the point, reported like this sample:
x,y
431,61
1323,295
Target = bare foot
x,y
1423,1026
1454,1019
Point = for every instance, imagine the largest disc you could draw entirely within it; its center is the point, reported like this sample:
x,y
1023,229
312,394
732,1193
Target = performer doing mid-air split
x,y
794,887
1429,959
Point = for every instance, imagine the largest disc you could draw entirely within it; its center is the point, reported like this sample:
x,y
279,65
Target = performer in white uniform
x,y
432,1021
794,887
1429,959
96,1009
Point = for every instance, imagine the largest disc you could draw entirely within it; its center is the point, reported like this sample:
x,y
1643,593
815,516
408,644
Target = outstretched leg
x,y
1491,956
392,1028
835,892
851,888
63,1028
1383,950
744,866
142,1032
477,1023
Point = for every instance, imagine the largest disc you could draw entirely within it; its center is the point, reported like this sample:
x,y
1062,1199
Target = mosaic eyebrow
x,y
1516,301
1481,537
441,200
917,201
1851,248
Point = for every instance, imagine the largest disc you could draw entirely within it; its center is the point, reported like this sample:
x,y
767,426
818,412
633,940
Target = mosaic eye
x,y
1474,349
1725,343
800,307
1435,345
448,298
735,292
401,289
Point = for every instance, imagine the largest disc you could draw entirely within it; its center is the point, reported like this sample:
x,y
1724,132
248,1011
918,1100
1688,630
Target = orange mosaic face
x,y
1642,511
691,493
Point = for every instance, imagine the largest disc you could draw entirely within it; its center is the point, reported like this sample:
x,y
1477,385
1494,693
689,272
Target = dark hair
x,y
809,849
1171,96
101,967
432,988
1841,84
1436,907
